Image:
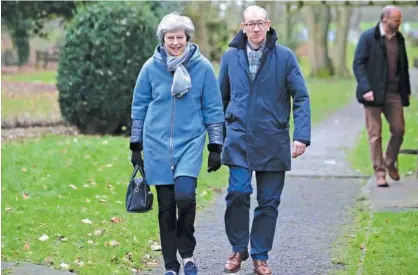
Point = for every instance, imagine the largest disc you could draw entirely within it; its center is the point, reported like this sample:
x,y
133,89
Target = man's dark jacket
x,y
371,67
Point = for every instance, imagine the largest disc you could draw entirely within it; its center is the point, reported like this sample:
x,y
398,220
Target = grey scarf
x,y
181,80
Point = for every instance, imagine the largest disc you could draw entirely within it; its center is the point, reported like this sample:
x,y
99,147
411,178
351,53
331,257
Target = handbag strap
x,y
136,169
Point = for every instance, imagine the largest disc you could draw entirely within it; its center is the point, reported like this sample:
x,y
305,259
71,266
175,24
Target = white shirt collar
x,y
382,31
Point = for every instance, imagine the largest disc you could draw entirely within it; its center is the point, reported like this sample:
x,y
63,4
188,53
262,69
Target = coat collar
x,y
378,34
240,40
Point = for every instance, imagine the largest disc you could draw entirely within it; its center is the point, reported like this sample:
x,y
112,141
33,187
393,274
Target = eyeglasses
x,y
251,25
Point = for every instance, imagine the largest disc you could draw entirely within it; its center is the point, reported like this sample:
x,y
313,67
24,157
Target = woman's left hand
x,y
214,161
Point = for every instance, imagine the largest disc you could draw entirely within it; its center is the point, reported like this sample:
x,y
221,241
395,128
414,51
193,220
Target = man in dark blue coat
x,y
258,78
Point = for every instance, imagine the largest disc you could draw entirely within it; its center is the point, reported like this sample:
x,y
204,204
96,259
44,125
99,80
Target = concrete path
x,y
317,194
400,196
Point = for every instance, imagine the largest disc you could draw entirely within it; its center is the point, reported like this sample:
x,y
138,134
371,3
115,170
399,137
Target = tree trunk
x,y
340,47
195,11
318,18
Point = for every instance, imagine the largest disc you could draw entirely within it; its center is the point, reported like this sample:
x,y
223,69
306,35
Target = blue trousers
x,y
177,232
237,214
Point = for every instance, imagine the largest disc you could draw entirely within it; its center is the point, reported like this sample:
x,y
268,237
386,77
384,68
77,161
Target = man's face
x,y
393,21
255,26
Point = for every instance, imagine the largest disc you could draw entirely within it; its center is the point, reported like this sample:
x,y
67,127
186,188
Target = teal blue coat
x,y
174,130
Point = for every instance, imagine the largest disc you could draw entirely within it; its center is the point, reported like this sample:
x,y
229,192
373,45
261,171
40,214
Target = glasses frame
x,y
260,25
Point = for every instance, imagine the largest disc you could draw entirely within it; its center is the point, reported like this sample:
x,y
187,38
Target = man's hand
x,y
368,96
298,149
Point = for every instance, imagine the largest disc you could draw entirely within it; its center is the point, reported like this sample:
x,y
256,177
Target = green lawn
x,y
36,77
391,247
50,185
38,106
360,156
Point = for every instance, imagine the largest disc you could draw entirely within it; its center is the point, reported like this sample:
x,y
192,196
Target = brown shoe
x,y
393,172
381,182
261,268
233,264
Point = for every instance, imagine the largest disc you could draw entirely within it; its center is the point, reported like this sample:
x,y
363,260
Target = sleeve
x,y
301,103
141,98
361,57
223,81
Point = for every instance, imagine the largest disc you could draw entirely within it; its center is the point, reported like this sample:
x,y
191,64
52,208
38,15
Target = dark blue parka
x,y
257,112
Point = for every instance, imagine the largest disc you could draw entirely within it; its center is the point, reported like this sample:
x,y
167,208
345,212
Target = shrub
x,y
104,47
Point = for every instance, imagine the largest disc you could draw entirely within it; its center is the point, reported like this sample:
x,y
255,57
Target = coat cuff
x,y
136,130
215,132
306,142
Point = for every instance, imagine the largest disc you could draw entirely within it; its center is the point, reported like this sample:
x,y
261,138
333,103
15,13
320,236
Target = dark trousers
x,y
393,112
237,214
177,233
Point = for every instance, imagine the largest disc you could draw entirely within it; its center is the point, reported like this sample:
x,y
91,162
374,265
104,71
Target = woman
x,y
176,101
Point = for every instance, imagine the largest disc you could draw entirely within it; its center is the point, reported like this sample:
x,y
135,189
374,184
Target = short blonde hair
x,y
174,21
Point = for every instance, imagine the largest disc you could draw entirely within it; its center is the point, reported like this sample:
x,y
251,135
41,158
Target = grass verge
x,y
21,107
57,185
48,77
391,246
360,156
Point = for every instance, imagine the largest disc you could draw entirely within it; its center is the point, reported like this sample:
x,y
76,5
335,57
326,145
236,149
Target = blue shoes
x,y
190,268
169,272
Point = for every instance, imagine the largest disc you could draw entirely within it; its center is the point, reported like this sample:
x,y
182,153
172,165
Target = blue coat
x,y
257,112
174,128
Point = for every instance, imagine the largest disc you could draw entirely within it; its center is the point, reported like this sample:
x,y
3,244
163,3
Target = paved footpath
x,y
317,194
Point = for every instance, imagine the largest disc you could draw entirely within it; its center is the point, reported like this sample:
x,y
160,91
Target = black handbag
x,y
139,197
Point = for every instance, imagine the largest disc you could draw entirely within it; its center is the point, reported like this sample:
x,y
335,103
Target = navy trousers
x,y
237,214
177,233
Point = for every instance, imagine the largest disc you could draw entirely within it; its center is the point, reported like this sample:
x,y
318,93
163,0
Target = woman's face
x,y
175,42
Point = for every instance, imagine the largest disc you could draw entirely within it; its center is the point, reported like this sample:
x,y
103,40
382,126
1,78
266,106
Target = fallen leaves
x,y
112,243
86,221
155,246
26,247
48,260
98,232
43,238
73,186
62,238
25,196
65,266
116,220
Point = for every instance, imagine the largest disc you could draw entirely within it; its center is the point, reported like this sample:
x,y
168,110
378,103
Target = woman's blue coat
x,y
174,128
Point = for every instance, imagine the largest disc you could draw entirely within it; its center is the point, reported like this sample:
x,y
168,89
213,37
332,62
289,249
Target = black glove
x,y
137,158
214,159
136,154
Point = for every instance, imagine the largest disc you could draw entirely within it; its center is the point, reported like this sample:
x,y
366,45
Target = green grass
x,y
347,250
360,156
37,106
33,77
391,247
37,199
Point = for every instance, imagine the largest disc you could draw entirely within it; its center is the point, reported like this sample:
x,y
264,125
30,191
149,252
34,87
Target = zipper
x,y
263,59
173,115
